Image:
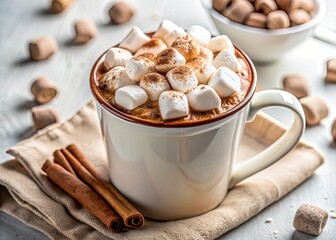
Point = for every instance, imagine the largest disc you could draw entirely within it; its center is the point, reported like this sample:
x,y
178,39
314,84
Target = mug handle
x,y
261,100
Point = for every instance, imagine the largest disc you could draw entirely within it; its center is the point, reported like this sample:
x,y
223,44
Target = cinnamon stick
x,y
61,160
88,198
131,217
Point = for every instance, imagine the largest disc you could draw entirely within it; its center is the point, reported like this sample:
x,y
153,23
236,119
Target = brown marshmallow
x,y
43,47
265,6
277,19
59,6
43,117
333,130
151,56
85,30
310,219
255,19
120,13
187,47
238,11
296,85
298,16
331,71
220,5
155,45
43,90
315,109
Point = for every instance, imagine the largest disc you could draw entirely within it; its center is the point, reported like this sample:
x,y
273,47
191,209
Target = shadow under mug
x,y
172,172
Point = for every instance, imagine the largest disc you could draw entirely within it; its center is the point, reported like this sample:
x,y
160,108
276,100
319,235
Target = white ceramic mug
x,y
174,172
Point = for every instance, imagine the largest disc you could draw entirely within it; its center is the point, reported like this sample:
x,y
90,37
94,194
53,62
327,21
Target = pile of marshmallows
x,y
177,68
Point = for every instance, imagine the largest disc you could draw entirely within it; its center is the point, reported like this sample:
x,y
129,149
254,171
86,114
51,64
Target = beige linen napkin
x,y
29,196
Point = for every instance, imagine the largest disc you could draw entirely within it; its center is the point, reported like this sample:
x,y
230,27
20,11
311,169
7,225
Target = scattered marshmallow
x,y
187,47
182,78
206,53
172,36
85,30
217,44
203,98
120,13
42,48
154,84
134,40
225,82
168,59
43,117
131,97
136,67
226,58
199,34
297,85
333,134
315,109
202,69
115,79
331,71
173,105
165,28
117,57
155,45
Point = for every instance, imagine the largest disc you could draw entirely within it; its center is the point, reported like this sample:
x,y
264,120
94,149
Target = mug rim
x,y
185,124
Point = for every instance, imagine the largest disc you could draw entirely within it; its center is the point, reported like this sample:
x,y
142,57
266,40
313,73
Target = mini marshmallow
x,y
149,55
225,82
182,78
206,53
165,28
131,97
134,40
173,105
172,36
226,58
117,57
219,43
168,59
203,98
136,67
202,69
115,79
187,47
199,34
155,45
154,84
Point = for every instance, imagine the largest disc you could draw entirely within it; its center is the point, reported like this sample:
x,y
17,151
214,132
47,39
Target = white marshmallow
x,y
137,67
155,46
117,57
130,97
168,59
199,34
203,98
134,40
116,78
173,105
226,58
219,43
165,28
182,78
225,82
154,84
202,69
172,36
206,53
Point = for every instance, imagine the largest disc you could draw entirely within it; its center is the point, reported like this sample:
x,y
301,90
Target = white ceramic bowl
x,y
263,45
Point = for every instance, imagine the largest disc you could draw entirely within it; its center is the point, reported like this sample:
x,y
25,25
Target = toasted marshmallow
x,y
206,53
203,98
130,97
172,36
182,78
154,84
168,59
116,57
199,34
225,82
155,45
116,78
219,43
187,47
173,105
165,28
149,55
134,40
136,67
226,58
202,69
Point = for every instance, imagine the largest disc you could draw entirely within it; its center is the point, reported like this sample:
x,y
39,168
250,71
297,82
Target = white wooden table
x,y
23,20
